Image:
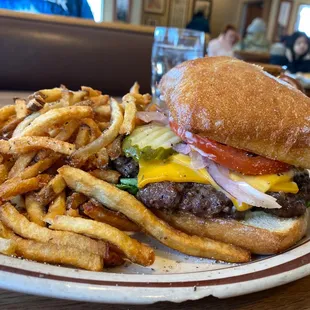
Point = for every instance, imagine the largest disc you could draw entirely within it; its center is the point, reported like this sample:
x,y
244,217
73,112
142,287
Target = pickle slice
x,y
149,142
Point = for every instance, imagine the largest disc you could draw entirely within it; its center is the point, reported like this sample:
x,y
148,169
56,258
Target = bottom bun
x,y
260,232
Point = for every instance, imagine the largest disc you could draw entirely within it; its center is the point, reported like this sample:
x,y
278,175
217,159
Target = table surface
x,y
293,296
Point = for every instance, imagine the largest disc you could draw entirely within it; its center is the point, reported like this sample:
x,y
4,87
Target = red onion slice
x,y
153,116
182,148
197,160
242,191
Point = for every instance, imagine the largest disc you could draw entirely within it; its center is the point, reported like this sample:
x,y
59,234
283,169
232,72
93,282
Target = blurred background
x,y
114,34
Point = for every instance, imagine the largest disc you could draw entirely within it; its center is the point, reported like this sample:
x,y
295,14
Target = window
x,y
303,19
97,9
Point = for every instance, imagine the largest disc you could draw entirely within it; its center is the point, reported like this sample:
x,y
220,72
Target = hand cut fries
x,y
121,201
57,254
99,213
129,115
21,108
75,200
23,145
6,112
16,186
56,207
53,213
21,226
7,246
35,211
133,250
54,117
81,155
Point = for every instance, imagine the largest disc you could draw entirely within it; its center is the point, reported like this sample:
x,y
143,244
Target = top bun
x,y
239,104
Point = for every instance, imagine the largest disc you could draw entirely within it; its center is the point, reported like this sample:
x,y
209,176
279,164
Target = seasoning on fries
x,y
52,212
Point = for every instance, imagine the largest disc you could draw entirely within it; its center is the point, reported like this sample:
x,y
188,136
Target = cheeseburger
x,y
227,156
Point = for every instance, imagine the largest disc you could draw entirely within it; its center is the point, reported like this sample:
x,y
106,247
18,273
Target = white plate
x,y
173,277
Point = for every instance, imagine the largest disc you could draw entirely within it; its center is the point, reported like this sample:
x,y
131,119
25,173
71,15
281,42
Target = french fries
x,y
97,212
56,207
53,213
7,246
26,144
110,176
132,249
51,190
21,163
129,116
6,112
16,186
20,108
21,226
57,254
80,156
127,204
55,117
34,209
75,200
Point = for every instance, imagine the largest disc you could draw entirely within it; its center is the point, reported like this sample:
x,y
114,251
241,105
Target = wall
x,y
297,3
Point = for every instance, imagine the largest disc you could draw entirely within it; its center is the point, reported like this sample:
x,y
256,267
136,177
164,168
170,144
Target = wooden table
x,y
288,297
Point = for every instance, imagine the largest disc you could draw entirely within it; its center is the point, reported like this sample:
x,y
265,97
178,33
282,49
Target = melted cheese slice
x,y
177,168
281,182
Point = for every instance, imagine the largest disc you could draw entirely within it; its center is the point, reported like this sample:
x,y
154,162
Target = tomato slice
x,y
230,157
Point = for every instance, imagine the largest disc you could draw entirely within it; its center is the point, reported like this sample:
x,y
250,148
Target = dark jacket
x,y
299,65
75,8
200,23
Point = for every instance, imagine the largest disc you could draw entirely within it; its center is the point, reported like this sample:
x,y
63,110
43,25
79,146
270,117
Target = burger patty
x,y
206,202
199,199
293,204
126,166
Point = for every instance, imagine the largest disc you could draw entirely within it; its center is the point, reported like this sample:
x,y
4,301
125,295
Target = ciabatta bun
x,y
260,233
239,104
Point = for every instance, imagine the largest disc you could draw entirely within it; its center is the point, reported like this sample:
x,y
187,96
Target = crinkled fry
x,y
121,201
11,218
132,249
80,156
55,117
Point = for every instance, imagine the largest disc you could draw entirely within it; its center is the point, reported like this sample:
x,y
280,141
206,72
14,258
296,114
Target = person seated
x,y
223,45
74,8
255,39
297,54
199,22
